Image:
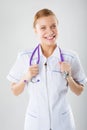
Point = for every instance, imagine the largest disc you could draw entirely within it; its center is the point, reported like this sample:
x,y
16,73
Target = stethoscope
x,y
37,49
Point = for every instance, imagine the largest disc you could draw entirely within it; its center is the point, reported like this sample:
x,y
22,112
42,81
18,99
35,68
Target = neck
x,y
47,50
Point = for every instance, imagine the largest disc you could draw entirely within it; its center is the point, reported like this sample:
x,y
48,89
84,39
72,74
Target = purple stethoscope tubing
x,y
38,52
36,49
61,55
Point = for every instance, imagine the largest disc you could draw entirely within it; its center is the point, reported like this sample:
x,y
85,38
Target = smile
x,y
50,37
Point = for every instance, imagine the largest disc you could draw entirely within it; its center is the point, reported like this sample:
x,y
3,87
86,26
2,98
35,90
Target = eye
x,y
43,28
53,26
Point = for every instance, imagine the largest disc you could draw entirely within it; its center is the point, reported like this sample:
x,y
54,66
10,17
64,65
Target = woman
x,y
48,72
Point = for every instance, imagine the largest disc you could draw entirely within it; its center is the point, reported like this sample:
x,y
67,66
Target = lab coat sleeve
x,y
18,69
78,73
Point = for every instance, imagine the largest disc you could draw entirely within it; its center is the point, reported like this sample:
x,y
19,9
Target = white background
x,y
16,34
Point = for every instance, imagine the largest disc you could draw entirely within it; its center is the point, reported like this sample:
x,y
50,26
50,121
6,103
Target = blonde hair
x,y
42,13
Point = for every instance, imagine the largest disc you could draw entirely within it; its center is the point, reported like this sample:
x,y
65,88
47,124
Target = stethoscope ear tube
x,y
61,56
36,49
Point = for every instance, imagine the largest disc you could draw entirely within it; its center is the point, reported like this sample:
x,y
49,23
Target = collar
x,y
56,53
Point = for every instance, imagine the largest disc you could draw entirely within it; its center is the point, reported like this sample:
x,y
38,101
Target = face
x,y
47,30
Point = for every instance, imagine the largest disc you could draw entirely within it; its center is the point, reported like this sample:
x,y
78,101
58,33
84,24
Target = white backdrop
x,y
16,34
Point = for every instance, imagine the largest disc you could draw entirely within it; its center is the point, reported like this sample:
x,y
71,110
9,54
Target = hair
x,y
42,13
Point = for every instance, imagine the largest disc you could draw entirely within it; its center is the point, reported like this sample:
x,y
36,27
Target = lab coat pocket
x,y
31,122
67,120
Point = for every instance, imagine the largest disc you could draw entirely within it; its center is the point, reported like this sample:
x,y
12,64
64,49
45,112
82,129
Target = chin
x,y
53,42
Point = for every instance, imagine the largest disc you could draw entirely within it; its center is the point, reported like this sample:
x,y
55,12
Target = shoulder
x,y
25,53
69,53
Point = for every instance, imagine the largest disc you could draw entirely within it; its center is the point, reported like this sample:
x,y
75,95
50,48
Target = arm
x,y
74,86
17,88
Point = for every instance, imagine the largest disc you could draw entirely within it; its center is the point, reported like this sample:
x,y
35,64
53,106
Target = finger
x,y
34,73
65,66
33,68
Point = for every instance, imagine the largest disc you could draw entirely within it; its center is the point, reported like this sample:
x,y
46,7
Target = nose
x,y
50,31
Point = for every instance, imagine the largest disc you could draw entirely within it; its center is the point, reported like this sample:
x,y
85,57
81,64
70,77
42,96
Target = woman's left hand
x,y
74,86
65,67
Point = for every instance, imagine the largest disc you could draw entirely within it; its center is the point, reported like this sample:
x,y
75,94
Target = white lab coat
x,y
48,106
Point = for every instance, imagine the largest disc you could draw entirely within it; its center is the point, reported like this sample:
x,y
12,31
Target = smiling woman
x,y
54,72
46,26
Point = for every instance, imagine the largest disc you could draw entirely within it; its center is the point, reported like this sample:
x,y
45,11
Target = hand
x,y
65,67
32,72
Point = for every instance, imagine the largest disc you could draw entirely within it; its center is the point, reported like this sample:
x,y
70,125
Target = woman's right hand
x,y
32,72
18,88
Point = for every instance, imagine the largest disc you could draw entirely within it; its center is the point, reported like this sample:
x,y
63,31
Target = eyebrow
x,y
50,25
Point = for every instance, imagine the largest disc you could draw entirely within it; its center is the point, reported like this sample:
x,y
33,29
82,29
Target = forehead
x,y
46,20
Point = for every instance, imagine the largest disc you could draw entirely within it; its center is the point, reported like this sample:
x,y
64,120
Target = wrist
x,y
26,81
26,78
66,75
69,78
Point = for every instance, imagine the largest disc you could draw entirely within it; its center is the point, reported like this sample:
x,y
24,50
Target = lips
x,y
50,37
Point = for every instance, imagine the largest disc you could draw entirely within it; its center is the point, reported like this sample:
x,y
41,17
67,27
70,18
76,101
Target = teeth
x,y
50,37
